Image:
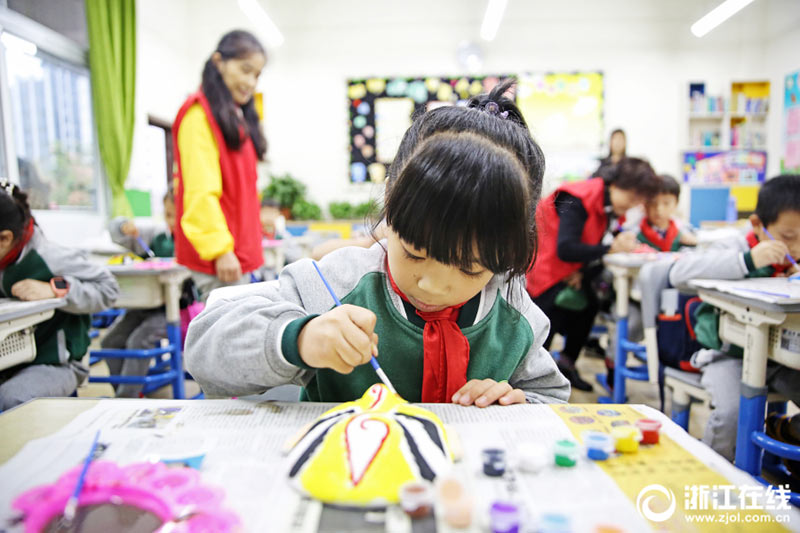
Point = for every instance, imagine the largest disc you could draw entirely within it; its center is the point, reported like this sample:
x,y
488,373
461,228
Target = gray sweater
x,y
725,259
92,287
236,346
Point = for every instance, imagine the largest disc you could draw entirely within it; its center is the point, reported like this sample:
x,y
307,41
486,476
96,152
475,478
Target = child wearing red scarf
x,y
32,268
441,301
658,228
753,255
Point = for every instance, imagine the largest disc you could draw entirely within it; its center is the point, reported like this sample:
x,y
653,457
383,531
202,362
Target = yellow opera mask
x,y
360,453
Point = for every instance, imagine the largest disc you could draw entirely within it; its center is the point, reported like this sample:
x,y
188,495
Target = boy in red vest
x,y
658,229
577,225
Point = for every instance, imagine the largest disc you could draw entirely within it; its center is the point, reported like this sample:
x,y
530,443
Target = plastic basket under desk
x,y
17,347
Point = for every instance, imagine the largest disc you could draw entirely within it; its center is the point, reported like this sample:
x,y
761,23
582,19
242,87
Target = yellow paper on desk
x,y
666,464
360,453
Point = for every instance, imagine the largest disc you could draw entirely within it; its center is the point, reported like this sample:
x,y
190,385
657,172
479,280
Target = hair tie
x,y
492,108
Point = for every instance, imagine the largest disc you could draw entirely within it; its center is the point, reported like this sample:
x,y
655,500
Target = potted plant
x,y
286,190
305,210
366,209
341,210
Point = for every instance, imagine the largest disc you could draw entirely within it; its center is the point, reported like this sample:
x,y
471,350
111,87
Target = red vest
x,y
239,200
548,269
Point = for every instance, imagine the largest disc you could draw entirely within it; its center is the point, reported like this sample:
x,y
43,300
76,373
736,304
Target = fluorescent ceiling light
x,y
257,15
18,44
492,18
718,15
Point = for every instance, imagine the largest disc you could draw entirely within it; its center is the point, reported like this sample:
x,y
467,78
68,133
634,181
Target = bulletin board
x,y
563,110
734,167
381,109
790,163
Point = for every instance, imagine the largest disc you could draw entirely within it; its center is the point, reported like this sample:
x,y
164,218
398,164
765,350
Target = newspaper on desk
x,y
781,291
243,444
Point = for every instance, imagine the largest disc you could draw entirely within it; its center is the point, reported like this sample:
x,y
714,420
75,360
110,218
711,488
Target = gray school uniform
x,y
242,344
722,373
92,288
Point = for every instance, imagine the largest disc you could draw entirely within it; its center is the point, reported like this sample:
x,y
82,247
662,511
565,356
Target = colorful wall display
x,y
740,167
790,163
380,111
563,110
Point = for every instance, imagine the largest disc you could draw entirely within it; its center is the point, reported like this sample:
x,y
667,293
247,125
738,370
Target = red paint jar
x,y
650,430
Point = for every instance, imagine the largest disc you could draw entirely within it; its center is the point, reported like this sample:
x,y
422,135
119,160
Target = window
x,y
48,125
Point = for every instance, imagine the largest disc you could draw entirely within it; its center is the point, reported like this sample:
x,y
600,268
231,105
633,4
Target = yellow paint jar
x,y
626,438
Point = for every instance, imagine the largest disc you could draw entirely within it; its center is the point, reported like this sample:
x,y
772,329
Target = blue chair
x,y
653,278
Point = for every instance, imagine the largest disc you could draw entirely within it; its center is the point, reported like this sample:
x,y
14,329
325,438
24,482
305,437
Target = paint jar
x,y
626,438
566,452
494,462
650,430
504,517
532,457
554,523
454,501
416,498
599,446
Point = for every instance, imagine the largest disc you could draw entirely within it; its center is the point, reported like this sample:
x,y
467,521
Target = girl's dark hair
x,y
621,131
236,44
466,180
778,194
634,174
14,210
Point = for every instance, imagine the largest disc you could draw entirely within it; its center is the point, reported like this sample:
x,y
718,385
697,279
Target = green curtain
x,y
112,61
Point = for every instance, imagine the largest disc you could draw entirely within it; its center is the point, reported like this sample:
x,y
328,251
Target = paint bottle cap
x,y
598,445
504,517
494,462
647,424
554,523
532,457
416,498
566,452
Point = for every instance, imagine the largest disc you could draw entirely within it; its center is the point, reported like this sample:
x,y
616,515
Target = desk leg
x,y
753,401
622,286
174,335
620,359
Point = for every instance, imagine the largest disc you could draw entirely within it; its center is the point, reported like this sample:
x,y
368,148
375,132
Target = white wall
x,y
644,49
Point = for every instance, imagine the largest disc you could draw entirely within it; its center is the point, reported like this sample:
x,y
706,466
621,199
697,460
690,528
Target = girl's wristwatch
x,y
60,286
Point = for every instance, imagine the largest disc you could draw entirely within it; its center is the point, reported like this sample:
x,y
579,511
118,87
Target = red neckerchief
x,y
446,351
752,241
664,244
13,253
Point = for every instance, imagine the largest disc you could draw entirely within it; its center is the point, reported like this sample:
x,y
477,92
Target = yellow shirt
x,y
202,222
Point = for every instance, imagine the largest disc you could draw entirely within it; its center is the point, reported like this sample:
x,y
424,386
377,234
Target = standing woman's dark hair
x,y
614,144
237,44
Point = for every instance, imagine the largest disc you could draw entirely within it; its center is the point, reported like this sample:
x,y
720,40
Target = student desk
x,y
243,441
766,331
149,285
625,269
17,319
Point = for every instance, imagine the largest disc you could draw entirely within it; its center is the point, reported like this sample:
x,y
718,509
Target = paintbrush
x,y
72,503
373,361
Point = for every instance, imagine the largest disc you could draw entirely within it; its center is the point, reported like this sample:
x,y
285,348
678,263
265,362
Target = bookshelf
x,y
735,120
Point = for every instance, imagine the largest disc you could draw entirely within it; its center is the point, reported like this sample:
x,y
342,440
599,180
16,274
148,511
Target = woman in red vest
x,y
578,224
217,140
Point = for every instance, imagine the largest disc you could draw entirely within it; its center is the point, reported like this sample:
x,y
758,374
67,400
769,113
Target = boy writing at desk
x,y
756,255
